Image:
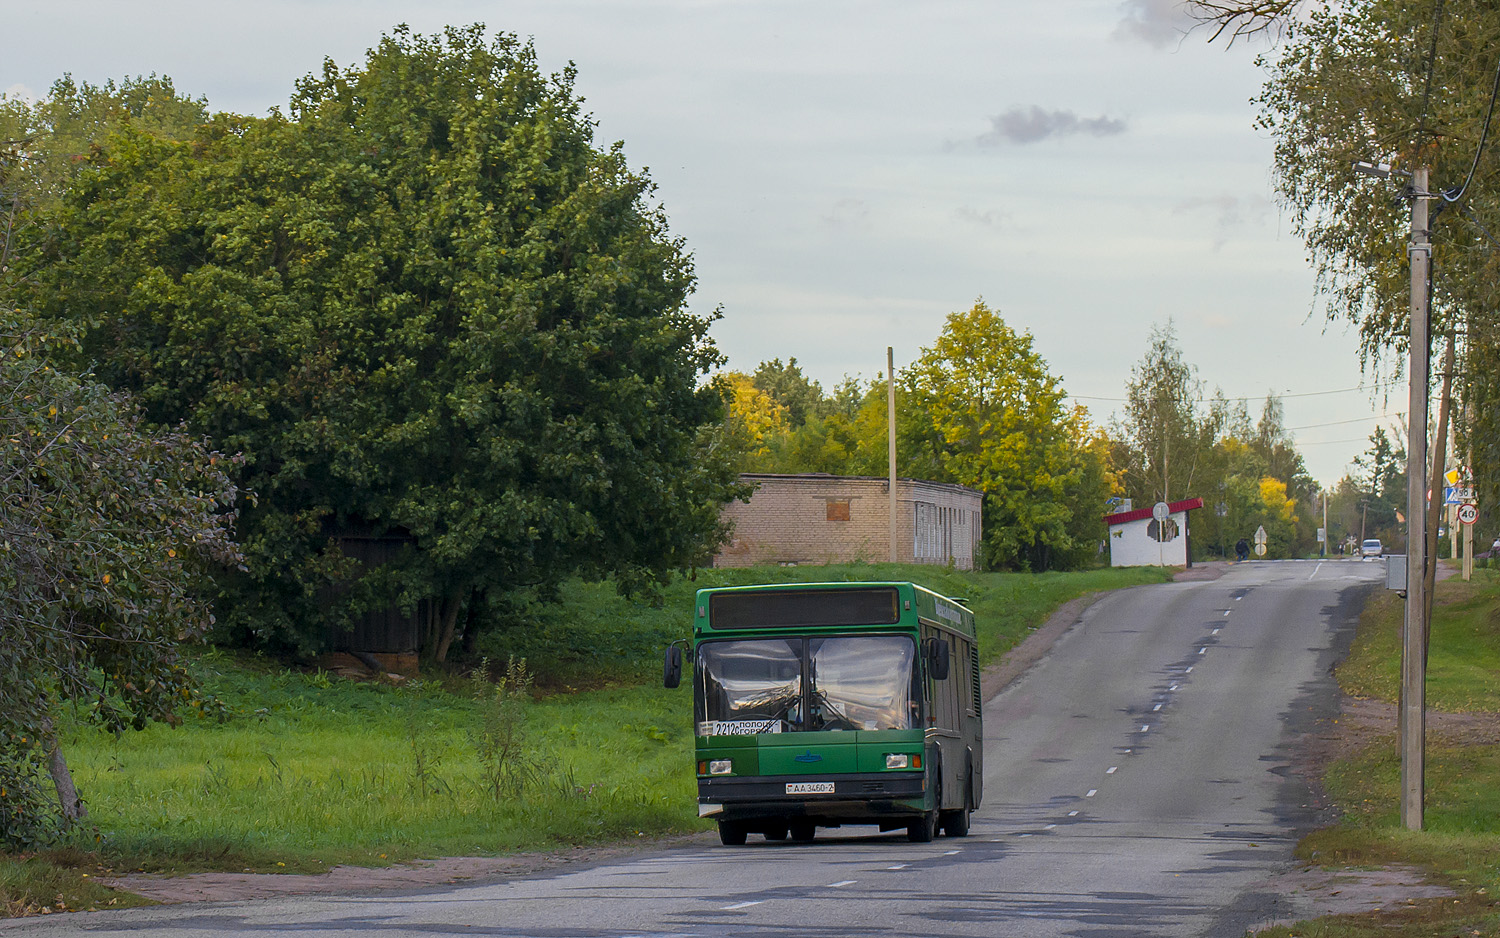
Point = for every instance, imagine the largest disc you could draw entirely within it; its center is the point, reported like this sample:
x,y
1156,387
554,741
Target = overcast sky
x,y
848,173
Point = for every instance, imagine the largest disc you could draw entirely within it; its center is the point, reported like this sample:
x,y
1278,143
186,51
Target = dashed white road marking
x,y
1173,687
1315,570
1216,631
1092,793
1189,670
951,853
741,905
1226,612
898,866
1203,650
1072,814
1153,710
1049,827
842,882
1111,770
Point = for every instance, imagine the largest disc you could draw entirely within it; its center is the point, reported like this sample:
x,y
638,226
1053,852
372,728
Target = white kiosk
x,y
1151,537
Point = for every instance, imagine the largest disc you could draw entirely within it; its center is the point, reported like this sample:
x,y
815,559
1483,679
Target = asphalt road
x,y
1136,784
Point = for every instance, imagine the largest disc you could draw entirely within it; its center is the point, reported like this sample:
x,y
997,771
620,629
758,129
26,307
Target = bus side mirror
x,y
671,667
937,658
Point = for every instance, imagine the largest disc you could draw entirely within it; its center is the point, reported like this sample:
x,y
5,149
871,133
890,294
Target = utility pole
x,y
1413,709
890,423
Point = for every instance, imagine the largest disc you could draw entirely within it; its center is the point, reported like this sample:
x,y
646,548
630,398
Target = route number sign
x,y
1468,514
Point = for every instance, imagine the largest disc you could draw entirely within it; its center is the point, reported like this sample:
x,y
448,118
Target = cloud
x,y
1022,125
1157,23
21,93
989,218
1227,212
848,213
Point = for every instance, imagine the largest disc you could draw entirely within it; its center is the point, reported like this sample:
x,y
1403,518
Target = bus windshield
x,y
857,682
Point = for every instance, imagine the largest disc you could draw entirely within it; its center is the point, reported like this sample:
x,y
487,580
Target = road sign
x,y
1221,509
1457,494
1468,514
1260,550
1161,511
1322,535
1260,536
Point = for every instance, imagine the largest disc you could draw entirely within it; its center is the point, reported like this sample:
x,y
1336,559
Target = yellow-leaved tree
x,y
982,410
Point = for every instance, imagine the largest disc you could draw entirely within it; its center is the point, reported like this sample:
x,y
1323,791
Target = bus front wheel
x,y
732,834
922,830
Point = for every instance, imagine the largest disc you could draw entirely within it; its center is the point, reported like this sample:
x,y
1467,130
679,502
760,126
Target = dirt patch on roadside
x,y
419,874
1203,570
1314,892
1363,722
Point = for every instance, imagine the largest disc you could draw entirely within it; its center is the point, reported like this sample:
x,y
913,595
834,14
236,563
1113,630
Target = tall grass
x,y
303,775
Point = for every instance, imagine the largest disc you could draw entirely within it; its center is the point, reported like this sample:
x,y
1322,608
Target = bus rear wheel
x,y
956,823
732,834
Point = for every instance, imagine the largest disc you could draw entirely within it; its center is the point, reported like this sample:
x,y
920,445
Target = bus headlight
x,y
897,760
720,767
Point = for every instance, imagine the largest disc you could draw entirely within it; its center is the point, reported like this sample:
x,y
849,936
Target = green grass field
x,y
306,770
1460,843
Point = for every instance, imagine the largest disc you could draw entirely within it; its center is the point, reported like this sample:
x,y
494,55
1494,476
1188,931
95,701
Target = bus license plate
x,y
809,788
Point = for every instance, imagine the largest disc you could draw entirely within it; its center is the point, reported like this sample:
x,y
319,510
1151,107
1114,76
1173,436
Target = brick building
x,y
815,518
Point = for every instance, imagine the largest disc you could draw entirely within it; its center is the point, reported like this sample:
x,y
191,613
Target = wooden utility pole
x,y
890,423
1412,718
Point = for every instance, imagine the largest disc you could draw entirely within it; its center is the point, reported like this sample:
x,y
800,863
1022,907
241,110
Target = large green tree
x,y
423,303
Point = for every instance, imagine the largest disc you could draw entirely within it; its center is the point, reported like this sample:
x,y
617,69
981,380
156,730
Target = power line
x,y
1377,384
1483,135
1437,16
1330,442
1337,423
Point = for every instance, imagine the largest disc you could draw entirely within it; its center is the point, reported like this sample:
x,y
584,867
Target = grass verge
x,y
1460,845
300,771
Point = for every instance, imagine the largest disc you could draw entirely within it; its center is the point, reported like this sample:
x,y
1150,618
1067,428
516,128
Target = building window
x,y
838,511
1162,532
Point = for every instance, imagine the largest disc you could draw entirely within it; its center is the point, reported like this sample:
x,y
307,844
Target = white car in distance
x,y
1371,548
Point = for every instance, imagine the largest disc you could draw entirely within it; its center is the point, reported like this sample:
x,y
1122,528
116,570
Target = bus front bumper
x,y
864,796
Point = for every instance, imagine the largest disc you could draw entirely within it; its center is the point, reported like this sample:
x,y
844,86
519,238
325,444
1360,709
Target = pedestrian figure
x,y
1242,549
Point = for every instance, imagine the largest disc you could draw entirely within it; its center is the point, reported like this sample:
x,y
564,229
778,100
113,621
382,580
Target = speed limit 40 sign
x,y
1468,514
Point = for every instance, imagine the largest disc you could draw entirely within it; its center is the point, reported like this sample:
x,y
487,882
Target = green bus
x,y
825,704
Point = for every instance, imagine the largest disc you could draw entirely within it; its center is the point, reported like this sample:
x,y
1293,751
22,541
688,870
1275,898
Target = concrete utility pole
x,y
1413,715
890,423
